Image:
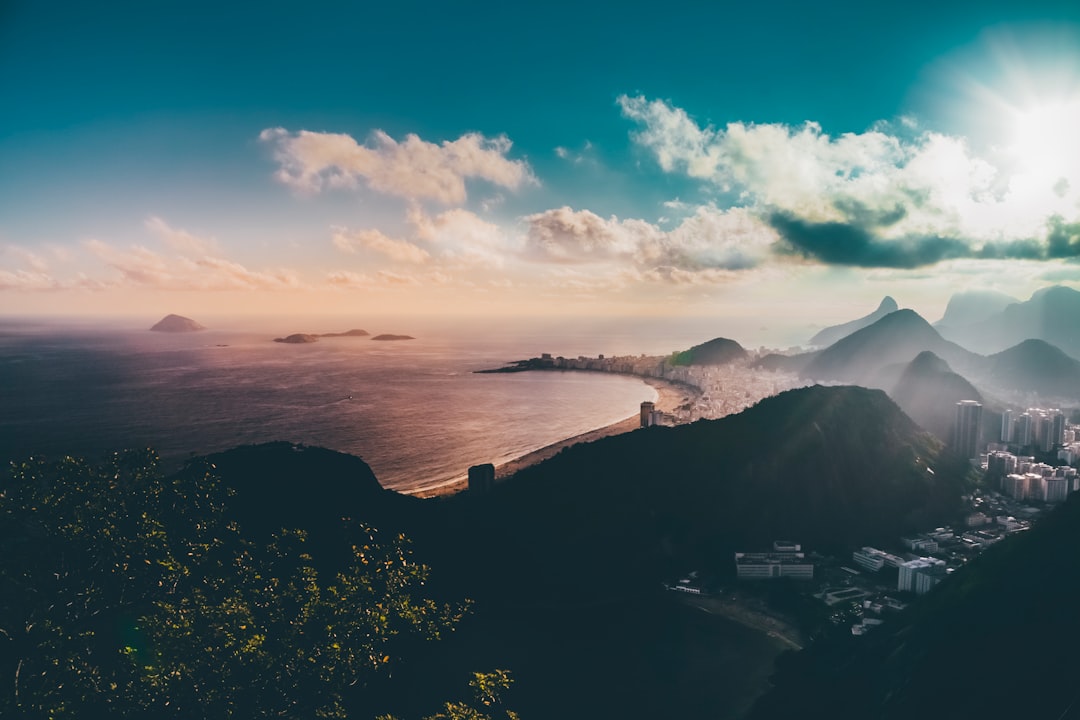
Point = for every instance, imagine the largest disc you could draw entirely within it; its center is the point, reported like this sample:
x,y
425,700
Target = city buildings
x,y
785,560
920,575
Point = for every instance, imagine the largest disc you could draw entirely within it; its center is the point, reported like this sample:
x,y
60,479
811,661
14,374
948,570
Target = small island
x,y
176,324
298,339
347,333
393,337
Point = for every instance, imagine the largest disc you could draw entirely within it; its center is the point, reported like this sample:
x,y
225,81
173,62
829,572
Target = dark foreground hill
x,y
998,639
718,351
564,560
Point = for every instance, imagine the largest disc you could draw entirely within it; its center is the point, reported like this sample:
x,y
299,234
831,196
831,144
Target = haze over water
x,y
414,410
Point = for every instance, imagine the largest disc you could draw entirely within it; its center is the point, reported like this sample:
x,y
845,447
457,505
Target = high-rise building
x,y
1057,431
968,429
1007,426
1023,433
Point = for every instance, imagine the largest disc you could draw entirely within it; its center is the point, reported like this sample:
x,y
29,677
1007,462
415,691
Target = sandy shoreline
x,y
669,397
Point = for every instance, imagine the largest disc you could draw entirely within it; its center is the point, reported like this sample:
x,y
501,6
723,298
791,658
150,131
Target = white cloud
x,y
461,237
707,239
895,185
347,280
181,240
398,250
414,168
24,280
143,267
32,260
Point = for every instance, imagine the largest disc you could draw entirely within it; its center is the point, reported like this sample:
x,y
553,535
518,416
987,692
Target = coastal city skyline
x,y
728,162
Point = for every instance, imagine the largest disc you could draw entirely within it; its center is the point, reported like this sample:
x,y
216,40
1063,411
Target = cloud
x,y
891,196
398,250
143,267
1063,239
346,280
24,280
29,258
849,244
461,237
707,239
414,168
181,240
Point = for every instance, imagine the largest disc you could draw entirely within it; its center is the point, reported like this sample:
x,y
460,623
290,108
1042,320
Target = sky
x,y
751,160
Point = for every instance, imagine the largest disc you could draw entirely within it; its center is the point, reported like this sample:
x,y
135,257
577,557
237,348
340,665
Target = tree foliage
x,y
124,592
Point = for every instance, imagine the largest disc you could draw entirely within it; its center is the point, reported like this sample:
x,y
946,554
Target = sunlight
x,y
1046,138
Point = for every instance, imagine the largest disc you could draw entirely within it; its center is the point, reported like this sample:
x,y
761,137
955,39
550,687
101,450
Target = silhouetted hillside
x,y
997,639
564,559
719,351
896,338
832,467
1036,366
928,391
1051,315
829,335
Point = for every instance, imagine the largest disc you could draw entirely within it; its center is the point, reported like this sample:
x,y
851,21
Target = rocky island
x,y
347,333
176,324
393,337
298,339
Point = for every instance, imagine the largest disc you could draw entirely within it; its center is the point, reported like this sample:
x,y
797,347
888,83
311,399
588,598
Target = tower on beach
x,y
647,409
481,478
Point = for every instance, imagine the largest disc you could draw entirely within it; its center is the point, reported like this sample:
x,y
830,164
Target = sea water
x,y
414,410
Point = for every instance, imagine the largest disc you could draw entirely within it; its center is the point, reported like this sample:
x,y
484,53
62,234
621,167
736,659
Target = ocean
x,y
414,410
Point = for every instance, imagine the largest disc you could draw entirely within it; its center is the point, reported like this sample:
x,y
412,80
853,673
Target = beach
x,y
669,397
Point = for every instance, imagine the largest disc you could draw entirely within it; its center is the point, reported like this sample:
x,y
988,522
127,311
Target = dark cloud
x,y
1063,239
856,242
840,243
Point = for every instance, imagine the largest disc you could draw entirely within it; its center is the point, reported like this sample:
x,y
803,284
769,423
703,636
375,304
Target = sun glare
x,y
1046,137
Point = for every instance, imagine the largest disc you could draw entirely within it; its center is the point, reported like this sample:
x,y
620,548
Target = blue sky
x,y
629,158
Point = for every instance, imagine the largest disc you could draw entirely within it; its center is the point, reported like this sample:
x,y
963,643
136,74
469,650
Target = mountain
x,y
830,335
563,561
1035,366
896,338
943,657
1051,315
719,351
973,306
928,391
176,324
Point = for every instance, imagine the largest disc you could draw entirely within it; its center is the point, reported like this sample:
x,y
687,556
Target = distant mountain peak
x,y
928,361
832,334
887,305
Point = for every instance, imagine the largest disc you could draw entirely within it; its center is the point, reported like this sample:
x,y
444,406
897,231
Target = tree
x,y
124,592
487,692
